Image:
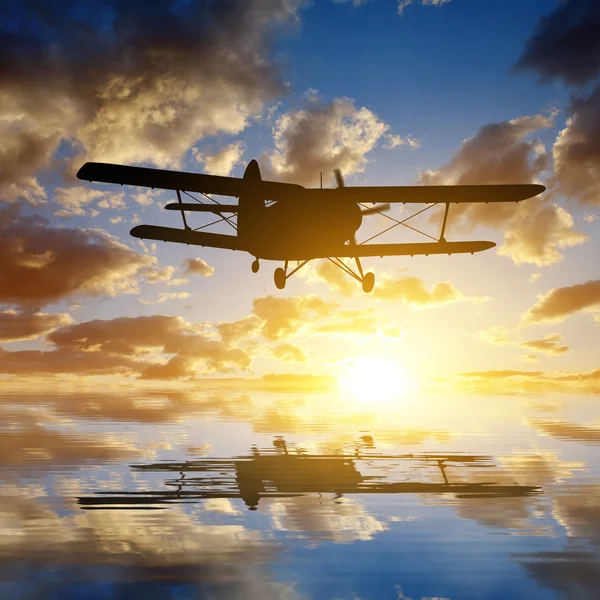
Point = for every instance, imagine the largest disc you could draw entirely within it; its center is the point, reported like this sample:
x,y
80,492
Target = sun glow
x,y
373,380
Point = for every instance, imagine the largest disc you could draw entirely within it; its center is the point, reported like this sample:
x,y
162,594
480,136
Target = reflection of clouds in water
x,y
41,440
342,521
515,514
574,571
151,545
572,432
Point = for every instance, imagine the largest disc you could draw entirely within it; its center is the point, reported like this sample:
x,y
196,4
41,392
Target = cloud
x,y
402,4
16,326
196,266
316,518
396,141
121,346
551,344
513,381
499,153
286,316
223,161
38,440
232,333
162,546
128,82
413,292
321,138
75,200
289,353
366,322
61,362
559,303
42,264
565,44
577,151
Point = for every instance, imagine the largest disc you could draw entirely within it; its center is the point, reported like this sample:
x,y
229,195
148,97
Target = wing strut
x,y
185,225
442,238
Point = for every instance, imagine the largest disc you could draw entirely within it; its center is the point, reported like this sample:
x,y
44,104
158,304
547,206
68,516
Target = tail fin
x,y
251,202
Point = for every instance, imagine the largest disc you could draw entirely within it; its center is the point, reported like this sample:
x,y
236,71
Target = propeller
x,y
339,179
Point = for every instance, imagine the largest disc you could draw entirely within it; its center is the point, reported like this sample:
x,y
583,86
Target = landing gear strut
x,y
255,266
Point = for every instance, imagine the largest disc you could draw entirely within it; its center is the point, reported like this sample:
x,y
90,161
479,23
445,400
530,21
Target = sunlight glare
x,y
373,380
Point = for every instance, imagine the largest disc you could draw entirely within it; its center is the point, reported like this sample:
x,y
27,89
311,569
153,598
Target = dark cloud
x,y
42,264
577,151
559,303
129,81
565,44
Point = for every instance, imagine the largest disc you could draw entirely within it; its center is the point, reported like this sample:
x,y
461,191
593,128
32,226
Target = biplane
x,y
290,223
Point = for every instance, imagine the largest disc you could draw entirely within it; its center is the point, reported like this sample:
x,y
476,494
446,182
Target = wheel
x,y
280,278
255,266
368,283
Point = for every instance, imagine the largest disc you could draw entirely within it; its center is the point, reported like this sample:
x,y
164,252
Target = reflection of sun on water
x,y
373,380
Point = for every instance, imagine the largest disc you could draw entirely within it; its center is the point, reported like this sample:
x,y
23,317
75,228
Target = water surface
x,y
264,494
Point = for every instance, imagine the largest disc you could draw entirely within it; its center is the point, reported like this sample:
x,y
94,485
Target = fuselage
x,y
296,228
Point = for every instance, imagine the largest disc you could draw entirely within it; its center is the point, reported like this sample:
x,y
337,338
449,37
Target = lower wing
x,y
183,236
424,248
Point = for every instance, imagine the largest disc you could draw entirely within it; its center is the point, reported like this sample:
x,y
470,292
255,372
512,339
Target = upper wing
x,y
423,248
426,194
180,180
182,236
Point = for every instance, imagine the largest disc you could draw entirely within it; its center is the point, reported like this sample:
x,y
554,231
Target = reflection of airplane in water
x,y
283,474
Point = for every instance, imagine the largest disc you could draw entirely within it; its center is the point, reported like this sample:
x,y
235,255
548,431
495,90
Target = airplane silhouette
x,y
287,222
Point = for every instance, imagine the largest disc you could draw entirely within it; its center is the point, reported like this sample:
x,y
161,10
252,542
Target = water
x,y
227,493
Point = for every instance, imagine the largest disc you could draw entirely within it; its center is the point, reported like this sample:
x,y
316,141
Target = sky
x,y
389,92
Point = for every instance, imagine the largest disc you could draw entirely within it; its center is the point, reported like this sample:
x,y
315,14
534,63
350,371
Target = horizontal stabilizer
x,y
183,236
196,207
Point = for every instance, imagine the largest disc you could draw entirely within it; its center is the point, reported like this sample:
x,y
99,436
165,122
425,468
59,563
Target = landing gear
x,y
280,278
255,266
368,282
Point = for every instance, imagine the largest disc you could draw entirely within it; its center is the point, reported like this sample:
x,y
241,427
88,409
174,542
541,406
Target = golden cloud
x,y
42,264
16,326
289,353
286,316
196,266
413,292
559,303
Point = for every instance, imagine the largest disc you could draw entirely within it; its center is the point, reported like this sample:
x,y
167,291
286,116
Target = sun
x,y
373,380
